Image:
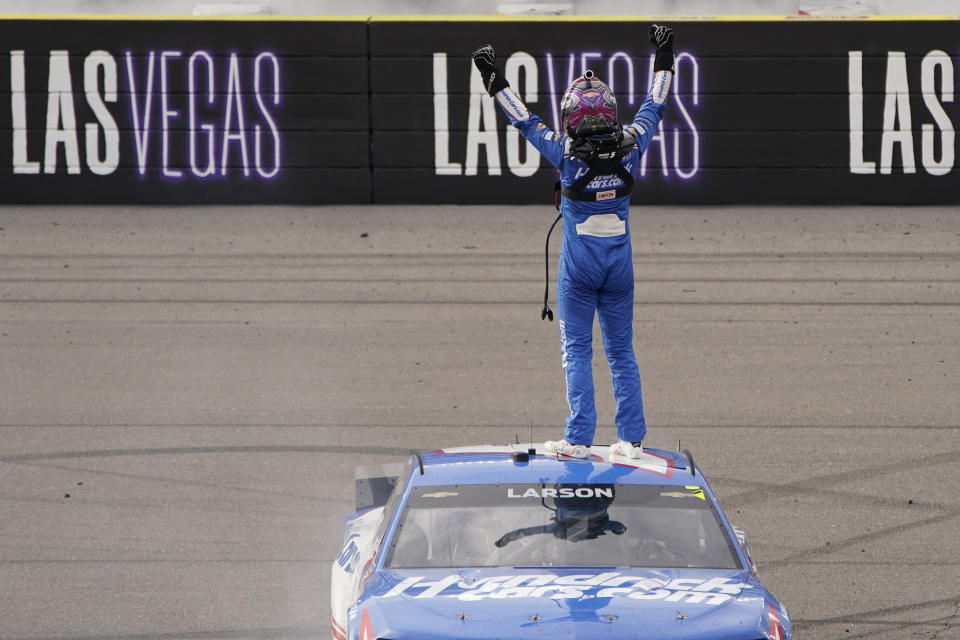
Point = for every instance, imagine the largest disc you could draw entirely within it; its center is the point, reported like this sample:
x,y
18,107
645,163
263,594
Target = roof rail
x,y
692,468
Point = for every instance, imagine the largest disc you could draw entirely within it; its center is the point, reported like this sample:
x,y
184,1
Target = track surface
x,y
202,381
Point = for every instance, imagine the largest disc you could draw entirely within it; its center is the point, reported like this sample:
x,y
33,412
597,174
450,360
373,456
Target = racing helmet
x,y
588,108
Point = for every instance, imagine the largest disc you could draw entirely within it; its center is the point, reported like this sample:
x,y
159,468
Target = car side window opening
x,y
561,525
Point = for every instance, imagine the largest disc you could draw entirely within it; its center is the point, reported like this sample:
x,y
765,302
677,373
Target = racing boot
x,y
564,448
624,449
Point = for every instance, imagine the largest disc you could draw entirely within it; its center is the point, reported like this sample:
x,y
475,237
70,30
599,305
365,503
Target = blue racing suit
x,y
596,267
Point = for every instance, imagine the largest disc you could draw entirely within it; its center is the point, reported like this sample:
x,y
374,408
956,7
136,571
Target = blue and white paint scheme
x,y
372,598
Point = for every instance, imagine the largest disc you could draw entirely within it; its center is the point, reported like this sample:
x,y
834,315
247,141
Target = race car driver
x,y
597,160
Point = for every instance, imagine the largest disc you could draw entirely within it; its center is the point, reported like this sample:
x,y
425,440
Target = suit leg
x,y
615,309
576,307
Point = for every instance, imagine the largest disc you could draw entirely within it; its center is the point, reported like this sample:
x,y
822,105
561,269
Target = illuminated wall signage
x,y
220,118
781,111
359,111
184,111
898,139
540,82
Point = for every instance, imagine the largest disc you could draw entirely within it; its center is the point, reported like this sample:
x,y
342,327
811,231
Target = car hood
x,y
568,603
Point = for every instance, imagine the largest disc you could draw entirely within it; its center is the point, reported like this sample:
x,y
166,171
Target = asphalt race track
x,y
186,392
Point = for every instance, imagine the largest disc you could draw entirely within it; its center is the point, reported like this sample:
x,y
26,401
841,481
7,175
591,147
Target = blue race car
x,y
503,542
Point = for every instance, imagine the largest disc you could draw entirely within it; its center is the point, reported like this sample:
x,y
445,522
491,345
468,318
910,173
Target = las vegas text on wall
x,y
220,120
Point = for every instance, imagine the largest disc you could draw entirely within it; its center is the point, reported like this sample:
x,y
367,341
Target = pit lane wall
x,y
391,111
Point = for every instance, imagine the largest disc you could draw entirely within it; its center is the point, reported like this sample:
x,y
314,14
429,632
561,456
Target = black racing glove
x,y
662,37
486,61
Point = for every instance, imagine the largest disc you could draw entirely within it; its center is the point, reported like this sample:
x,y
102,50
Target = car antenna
x,y
531,450
692,466
419,461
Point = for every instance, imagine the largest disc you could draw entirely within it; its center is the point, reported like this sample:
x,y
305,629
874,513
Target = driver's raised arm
x,y
648,116
546,141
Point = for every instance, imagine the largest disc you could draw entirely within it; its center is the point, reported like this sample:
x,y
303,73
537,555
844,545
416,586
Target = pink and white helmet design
x,y
588,108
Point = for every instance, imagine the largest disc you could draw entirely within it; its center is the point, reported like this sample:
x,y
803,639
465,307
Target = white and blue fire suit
x,y
596,267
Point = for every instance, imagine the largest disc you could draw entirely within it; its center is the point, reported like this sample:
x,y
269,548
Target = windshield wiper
x,y
516,534
563,531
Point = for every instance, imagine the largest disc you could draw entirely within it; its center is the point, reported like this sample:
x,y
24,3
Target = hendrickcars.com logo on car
x,y
713,591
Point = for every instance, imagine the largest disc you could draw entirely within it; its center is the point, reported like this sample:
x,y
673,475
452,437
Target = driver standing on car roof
x,y
597,160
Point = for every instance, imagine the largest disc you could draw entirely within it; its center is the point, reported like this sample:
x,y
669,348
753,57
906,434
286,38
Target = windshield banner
x,y
707,591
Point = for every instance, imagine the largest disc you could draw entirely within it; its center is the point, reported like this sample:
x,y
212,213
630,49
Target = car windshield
x,y
560,525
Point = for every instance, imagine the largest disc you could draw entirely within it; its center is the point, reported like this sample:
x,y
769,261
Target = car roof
x,y
497,464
